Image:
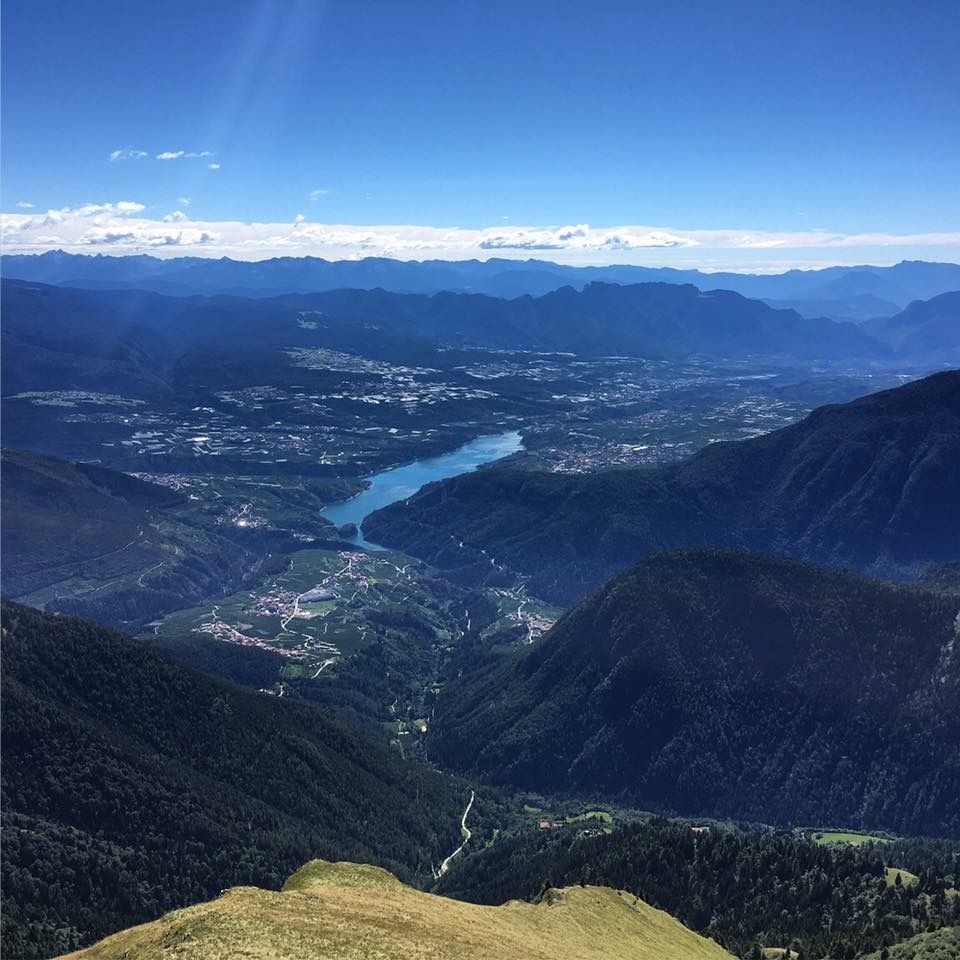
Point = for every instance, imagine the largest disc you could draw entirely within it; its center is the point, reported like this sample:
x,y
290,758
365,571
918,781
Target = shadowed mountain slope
x,y
728,685
132,785
927,331
131,340
82,539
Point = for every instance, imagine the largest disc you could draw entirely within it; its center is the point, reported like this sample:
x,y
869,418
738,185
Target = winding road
x,y
465,831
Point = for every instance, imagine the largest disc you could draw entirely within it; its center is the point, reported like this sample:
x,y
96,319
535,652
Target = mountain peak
x,y
322,873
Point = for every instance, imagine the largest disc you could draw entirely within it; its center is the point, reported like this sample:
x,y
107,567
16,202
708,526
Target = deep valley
x,y
368,574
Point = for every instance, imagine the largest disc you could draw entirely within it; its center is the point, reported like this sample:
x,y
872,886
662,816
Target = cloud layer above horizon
x,y
123,227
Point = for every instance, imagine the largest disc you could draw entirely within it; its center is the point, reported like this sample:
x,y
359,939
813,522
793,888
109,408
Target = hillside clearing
x,y
854,839
907,878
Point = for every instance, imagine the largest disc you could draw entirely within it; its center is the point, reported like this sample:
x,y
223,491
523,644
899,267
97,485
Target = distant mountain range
x,y
126,340
132,786
728,684
870,484
925,330
842,293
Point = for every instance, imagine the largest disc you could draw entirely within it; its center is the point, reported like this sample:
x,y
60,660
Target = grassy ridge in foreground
x,y
347,911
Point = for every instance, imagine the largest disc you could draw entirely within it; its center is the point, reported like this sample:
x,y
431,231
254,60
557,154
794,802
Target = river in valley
x,y
402,482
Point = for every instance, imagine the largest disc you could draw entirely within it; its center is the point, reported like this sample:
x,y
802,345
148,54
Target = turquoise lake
x,y
402,482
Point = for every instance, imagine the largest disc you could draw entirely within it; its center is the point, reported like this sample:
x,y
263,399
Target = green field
x,y
600,815
907,878
570,815
855,839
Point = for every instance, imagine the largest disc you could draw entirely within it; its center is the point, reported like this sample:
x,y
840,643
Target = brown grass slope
x,y
346,911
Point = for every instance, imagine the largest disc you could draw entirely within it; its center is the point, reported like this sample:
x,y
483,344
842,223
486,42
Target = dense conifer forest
x,y
715,683
132,785
745,889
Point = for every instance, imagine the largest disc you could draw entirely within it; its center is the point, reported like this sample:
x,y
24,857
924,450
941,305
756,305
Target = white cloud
x,y
214,166
184,155
122,208
184,201
127,153
154,237
29,226
581,237
23,205
318,194
15,227
121,227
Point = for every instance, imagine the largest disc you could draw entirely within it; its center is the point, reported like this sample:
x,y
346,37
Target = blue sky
x,y
727,134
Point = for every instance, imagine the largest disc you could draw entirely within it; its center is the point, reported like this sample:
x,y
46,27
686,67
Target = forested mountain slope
x,y
743,887
145,345
58,512
81,539
657,320
870,484
129,339
131,786
730,685
942,944
928,330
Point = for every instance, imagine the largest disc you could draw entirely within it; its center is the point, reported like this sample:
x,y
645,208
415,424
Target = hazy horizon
x,y
252,257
